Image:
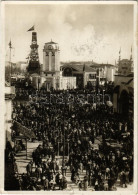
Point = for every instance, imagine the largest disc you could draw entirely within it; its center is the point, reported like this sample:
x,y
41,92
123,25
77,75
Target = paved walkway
x,y
22,162
21,159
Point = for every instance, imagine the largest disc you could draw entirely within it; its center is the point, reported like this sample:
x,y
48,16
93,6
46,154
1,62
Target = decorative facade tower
x,y
125,66
51,74
34,65
51,57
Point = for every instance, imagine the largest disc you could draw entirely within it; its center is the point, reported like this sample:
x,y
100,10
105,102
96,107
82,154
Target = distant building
x,y
85,75
14,69
21,65
106,72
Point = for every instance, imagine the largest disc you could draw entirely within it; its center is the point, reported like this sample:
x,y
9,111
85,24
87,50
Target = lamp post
x,y
39,82
103,95
10,46
63,161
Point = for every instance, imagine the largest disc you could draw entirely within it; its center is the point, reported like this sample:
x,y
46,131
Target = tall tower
x,y
51,55
34,65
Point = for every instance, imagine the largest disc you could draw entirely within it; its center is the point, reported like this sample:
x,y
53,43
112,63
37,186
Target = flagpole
x,y
83,75
10,62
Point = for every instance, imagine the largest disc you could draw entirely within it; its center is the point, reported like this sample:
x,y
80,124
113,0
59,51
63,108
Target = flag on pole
x,y
10,45
120,50
31,29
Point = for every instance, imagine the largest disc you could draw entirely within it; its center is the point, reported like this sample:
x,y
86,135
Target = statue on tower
x,y
34,65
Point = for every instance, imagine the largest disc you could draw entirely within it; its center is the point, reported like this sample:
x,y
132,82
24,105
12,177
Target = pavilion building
x,y
124,88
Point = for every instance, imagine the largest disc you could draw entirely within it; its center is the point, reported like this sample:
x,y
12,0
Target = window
x,y
92,76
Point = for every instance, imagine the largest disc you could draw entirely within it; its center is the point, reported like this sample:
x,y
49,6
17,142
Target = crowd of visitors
x,y
80,125
43,173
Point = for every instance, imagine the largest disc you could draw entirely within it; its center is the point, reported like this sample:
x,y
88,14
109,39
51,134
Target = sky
x,y
84,32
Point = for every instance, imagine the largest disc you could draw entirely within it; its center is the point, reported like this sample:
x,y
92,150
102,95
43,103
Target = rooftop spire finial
x,y
120,54
10,44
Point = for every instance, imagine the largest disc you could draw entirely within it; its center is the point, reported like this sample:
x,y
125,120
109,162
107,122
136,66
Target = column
x,y
50,56
43,66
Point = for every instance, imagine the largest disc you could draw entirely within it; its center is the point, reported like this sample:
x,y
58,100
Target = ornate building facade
x,y
84,74
123,96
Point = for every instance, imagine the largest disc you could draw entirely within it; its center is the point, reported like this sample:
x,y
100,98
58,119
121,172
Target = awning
x,y
28,133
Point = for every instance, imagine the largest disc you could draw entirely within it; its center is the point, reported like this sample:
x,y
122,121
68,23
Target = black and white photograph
x,y
70,97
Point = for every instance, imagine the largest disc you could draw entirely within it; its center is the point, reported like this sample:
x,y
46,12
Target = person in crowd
x,y
80,184
45,183
29,168
85,181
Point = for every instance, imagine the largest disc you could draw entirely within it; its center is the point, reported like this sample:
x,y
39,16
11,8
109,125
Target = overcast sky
x,y
83,32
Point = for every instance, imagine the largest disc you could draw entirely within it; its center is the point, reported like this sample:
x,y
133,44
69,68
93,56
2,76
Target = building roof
x,y
51,42
35,75
125,60
122,75
80,68
102,65
88,63
90,66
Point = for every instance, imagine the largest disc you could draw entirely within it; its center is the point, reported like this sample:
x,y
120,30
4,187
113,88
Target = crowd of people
x,y
80,125
43,172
